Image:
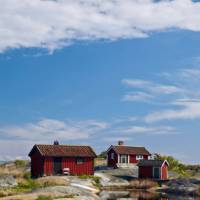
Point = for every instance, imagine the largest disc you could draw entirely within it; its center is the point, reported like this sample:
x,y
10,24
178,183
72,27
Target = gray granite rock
x,y
7,181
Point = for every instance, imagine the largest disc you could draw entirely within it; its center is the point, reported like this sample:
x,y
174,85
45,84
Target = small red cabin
x,y
125,156
153,169
53,159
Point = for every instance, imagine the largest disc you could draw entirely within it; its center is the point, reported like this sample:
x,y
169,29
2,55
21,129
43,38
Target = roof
x,y
63,151
129,150
153,163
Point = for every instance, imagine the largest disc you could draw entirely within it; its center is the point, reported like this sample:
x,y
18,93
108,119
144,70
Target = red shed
x,y
52,159
154,169
125,156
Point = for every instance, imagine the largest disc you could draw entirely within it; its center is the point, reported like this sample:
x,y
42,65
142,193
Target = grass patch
x,y
23,186
43,197
51,181
65,196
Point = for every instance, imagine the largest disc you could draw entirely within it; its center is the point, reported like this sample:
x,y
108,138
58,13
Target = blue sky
x,y
137,81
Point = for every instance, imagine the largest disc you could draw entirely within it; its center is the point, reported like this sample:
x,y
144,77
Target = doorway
x,y
57,165
156,172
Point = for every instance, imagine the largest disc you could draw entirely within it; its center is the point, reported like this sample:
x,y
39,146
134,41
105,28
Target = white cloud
x,y
53,24
51,129
189,110
181,95
154,130
151,87
137,96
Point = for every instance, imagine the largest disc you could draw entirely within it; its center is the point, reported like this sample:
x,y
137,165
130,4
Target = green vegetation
x,y
65,196
43,197
27,185
103,154
175,165
20,163
23,186
27,175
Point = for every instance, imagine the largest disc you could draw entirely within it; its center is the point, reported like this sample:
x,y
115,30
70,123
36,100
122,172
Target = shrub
x,y
20,163
174,165
43,197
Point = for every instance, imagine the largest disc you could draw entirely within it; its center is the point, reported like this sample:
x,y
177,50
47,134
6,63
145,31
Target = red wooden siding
x,y
145,172
37,164
48,166
64,156
112,162
87,167
164,172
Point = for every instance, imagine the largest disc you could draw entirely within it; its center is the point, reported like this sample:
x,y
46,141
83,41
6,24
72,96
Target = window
x,y
79,161
112,156
123,158
139,157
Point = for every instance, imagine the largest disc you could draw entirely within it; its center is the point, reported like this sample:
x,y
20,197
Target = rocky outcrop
x,y
7,181
111,181
182,187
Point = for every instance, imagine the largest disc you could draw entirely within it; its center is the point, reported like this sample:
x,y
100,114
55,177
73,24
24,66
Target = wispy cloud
x,y
189,109
153,130
148,91
51,129
137,96
151,86
181,95
54,24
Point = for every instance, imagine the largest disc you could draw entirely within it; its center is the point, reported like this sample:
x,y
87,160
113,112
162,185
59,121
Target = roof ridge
x,y
128,146
71,145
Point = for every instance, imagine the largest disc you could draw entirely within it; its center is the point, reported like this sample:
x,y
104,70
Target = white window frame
x,y
139,157
112,156
122,157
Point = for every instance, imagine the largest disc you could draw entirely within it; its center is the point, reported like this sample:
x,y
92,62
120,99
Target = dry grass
x,y
143,184
100,162
51,181
16,169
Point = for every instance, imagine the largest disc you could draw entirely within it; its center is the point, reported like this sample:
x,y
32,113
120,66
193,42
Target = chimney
x,y
120,143
56,142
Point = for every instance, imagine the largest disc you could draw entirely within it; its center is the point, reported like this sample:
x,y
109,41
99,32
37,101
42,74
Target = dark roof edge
x,y
36,146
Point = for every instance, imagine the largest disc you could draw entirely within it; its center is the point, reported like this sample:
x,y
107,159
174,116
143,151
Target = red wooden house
x,y
125,156
153,169
52,159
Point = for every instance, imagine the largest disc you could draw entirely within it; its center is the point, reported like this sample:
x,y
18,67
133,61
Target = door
x,y
156,172
124,159
57,165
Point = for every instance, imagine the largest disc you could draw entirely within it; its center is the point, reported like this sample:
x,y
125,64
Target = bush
x,y
103,154
43,197
174,165
20,163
